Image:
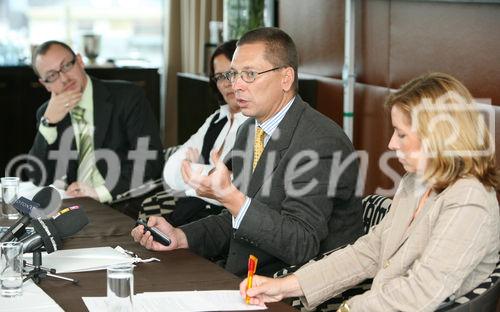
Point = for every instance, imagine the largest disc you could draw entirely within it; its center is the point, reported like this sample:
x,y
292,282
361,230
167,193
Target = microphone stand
x,y
38,272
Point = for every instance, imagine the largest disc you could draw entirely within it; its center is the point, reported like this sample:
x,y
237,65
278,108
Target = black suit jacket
x,y
122,115
293,215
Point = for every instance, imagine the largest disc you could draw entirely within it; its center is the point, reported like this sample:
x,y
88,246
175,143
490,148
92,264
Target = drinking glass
x,y
11,269
120,287
10,187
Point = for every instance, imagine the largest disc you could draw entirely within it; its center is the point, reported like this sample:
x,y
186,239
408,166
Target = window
x,y
130,31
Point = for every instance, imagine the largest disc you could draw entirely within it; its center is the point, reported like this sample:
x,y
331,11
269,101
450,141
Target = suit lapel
x,y
66,129
240,159
421,216
64,125
407,202
275,147
102,112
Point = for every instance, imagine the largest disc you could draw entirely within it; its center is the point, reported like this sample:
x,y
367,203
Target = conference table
x,y
178,270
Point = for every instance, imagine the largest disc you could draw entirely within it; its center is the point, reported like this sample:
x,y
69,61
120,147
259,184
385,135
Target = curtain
x,y
186,32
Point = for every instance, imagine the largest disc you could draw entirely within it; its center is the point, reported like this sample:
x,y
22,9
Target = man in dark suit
x,y
290,199
100,137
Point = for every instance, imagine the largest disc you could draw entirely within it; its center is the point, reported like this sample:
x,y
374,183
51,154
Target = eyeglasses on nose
x,y
248,76
219,77
54,74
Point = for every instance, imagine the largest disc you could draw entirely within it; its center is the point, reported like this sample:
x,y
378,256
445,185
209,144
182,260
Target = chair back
x,y
375,207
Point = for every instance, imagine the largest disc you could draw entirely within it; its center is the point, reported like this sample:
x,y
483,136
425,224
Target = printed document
x,y
181,301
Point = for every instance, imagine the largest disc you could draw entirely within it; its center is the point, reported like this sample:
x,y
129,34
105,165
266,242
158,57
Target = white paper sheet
x,y
181,301
33,299
83,259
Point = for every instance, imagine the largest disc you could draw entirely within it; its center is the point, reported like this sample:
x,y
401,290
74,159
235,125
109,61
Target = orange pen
x,y
252,266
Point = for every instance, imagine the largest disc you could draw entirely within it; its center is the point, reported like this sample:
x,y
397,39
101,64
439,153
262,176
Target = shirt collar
x,y
223,112
86,100
272,123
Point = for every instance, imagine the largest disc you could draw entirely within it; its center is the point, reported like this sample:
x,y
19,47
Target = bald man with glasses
x,y
105,120
280,207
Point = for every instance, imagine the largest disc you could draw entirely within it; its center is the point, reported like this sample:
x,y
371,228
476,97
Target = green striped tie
x,y
86,162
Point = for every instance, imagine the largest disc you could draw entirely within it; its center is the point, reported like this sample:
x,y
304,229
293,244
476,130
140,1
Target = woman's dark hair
x,y
227,49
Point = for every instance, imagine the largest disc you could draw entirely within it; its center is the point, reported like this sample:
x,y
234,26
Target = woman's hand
x,y
265,289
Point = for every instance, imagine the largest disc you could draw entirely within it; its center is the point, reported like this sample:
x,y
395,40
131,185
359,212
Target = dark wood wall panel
x,y
395,41
372,133
330,98
372,42
317,27
462,39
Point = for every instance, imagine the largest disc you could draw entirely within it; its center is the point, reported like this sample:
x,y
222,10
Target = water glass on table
x,y
11,269
10,188
120,290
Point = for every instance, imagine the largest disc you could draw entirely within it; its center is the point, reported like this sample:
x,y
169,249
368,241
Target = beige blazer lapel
x,y
407,201
429,203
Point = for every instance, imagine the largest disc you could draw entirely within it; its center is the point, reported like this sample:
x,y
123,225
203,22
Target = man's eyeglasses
x,y
219,77
248,76
54,74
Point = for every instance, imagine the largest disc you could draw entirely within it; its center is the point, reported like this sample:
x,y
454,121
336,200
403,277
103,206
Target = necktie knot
x,y
258,147
78,113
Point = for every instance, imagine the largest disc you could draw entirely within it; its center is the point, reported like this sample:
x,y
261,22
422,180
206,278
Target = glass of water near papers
x,y
11,269
120,291
10,188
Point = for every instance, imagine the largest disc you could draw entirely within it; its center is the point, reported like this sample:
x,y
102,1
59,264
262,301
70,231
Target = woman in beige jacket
x,y
442,235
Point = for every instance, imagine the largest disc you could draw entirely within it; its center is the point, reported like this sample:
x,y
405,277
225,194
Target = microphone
x,y
16,230
51,232
44,203
49,200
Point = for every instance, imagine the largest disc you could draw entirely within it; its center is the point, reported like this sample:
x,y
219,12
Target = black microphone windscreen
x,y
49,200
50,232
69,221
49,237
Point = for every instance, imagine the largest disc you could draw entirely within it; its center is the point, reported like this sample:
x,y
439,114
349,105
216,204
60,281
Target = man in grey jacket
x,y
290,198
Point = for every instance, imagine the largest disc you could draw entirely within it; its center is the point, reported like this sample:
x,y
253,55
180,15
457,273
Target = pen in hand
x,y
252,267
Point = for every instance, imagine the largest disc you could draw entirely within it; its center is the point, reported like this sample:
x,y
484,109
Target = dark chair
x,y
161,202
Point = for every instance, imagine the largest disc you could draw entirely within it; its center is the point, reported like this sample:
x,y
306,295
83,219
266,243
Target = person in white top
x,y
217,133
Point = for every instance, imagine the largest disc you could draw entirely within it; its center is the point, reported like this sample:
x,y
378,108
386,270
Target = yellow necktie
x,y
258,145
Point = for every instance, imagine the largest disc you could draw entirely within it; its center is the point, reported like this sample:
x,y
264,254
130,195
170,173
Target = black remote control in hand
x,y
158,235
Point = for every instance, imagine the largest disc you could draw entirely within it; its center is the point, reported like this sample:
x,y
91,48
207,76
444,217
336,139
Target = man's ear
x,y
79,60
288,76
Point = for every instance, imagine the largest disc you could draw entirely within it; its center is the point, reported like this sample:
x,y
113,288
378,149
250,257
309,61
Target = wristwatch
x,y
344,307
45,121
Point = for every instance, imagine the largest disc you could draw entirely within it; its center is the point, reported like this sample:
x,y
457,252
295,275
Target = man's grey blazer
x,y
301,204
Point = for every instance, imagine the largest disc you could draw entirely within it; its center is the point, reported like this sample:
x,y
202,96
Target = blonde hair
x,y
454,136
